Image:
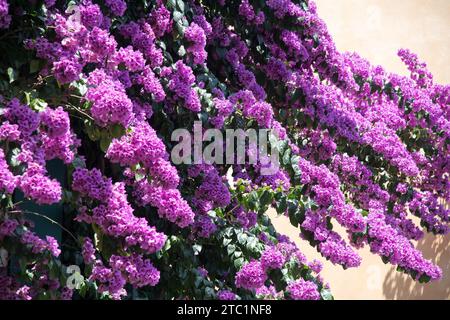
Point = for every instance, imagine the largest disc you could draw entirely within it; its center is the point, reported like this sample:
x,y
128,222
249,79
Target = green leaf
x,y
197,249
81,87
251,243
54,270
117,130
326,294
177,16
424,279
83,289
266,198
78,163
293,219
287,157
38,104
281,205
181,5
198,281
229,232
242,238
15,154
12,74
230,249
182,51
237,254
139,176
296,168
238,263
226,241
180,27
105,141
171,3
209,292
34,66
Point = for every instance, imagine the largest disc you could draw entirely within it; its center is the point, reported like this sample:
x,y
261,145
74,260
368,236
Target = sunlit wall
x,y
376,29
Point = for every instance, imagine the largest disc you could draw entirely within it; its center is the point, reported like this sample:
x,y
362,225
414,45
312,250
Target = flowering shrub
x,y
101,85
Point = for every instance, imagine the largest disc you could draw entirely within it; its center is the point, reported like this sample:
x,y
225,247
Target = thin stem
x,y
229,212
17,203
80,111
47,218
76,96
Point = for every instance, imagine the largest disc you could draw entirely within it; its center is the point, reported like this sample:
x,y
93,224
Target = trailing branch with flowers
x,y
99,88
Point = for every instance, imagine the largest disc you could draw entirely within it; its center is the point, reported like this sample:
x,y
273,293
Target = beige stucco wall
x,y
376,29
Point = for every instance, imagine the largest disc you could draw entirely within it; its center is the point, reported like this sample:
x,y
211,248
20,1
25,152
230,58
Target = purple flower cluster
x,y
169,202
10,289
196,37
246,219
247,11
67,70
117,7
7,228
9,131
387,242
325,190
132,60
37,186
212,188
331,245
251,276
160,20
8,182
110,281
23,116
272,258
138,272
181,84
226,295
431,211
115,215
56,121
140,145
110,103
294,44
204,227
385,141
88,251
358,180
224,109
268,293
262,112
278,179
58,140
5,19
284,8
37,245
303,290
143,39
91,14
201,21
151,84
419,72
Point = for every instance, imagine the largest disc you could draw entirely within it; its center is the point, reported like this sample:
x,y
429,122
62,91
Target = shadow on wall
x,y
400,286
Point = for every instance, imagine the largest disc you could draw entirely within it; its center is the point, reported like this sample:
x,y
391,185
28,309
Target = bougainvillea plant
x,y
98,88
